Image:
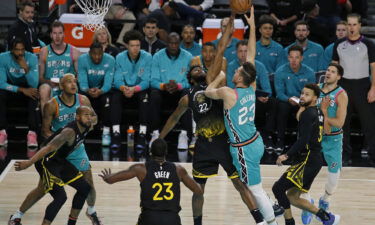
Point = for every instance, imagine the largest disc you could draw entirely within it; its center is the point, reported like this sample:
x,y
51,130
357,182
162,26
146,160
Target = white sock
x,y
331,185
263,203
105,130
17,215
142,129
182,155
91,210
116,128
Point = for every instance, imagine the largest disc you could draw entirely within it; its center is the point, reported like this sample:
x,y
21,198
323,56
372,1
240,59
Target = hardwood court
x,y
119,203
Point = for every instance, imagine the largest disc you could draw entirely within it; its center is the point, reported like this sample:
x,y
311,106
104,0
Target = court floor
x,y
119,203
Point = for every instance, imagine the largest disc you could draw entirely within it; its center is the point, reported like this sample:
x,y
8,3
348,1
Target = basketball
x,y
240,6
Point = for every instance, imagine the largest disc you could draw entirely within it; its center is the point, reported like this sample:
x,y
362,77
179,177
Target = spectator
x,y
95,77
119,11
169,83
24,28
19,74
132,81
207,57
330,12
230,52
56,59
265,104
192,11
187,43
151,43
341,32
290,79
103,36
269,52
319,32
163,16
356,54
312,52
285,12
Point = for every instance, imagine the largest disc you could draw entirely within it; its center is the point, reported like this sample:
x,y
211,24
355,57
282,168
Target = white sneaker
x,y
183,140
154,136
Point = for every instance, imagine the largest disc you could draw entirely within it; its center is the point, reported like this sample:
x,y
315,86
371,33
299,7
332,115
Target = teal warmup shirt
x,y
91,75
195,50
12,75
332,108
230,52
262,79
59,64
289,84
328,53
166,67
239,120
313,55
270,55
131,73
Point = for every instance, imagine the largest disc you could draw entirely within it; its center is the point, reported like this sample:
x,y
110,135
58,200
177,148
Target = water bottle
x,y
130,143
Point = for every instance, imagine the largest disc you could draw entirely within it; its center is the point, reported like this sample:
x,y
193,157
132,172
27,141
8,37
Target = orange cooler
x,y
75,33
211,29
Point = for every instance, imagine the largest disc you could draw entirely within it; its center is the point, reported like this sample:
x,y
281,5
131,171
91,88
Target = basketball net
x,y
95,10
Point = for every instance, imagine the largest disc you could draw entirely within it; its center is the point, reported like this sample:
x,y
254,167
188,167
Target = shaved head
x,y
83,109
66,77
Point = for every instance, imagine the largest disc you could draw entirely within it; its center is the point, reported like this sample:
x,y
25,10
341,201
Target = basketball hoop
x,y
95,10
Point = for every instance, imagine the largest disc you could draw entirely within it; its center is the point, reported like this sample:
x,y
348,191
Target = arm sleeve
x,y
145,78
32,76
370,50
82,74
118,78
108,78
264,81
155,75
306,125
4,85
280,86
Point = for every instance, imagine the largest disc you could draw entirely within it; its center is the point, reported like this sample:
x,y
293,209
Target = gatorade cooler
x,y
75,33
211,29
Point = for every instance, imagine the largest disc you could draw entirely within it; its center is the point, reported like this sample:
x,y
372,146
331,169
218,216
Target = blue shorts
x,y
79,158
332,151
246,159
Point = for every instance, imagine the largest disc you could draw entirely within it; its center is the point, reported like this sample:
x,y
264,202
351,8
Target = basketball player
x,y
58,112
298,178
56,171
239,111
211,148
206,59
160,186
55,60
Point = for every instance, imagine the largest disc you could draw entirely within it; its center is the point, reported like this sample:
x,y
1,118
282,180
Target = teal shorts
x,y
79,158
332,151
246,159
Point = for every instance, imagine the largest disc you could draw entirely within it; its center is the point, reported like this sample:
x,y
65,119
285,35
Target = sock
x,y
257,215
290,221
323,215
91,210
198,220
17,215
332,181
182,155
72,221
142,129
116,128
105,130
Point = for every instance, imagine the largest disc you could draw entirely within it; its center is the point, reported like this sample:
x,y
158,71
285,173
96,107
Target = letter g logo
x,y
77,32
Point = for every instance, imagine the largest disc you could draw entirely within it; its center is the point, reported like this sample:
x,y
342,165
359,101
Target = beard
x,y
302,39
305,104
84,125
201,78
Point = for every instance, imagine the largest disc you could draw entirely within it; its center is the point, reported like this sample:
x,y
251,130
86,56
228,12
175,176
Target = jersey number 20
x,y
169,193
243,118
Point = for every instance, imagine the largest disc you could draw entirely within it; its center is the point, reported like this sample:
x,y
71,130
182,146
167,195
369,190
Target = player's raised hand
x,y
325,103
106,173
250,19
21,165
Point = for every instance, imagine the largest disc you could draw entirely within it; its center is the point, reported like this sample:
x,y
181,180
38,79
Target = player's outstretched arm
x,y
67,135
183,105
251,45
137,170
188,181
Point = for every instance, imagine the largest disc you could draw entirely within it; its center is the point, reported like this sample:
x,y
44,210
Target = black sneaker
x,y
278,210
116,141
141,147
269,146
94,218
279,147
16,221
